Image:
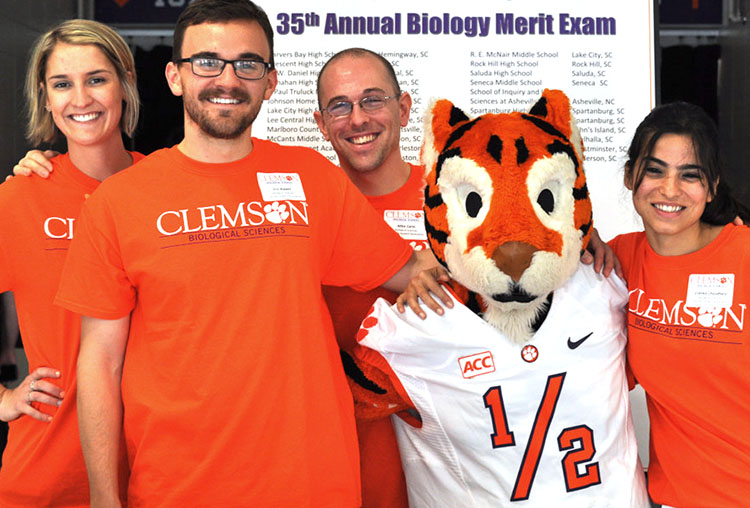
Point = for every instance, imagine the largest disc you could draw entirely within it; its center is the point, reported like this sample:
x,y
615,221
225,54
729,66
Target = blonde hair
x,y
41,127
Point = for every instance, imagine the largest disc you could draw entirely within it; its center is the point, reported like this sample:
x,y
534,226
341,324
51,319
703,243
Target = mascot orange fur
x,y
517,396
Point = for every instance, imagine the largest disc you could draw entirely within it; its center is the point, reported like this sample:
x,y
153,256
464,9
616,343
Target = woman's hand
x,y
34,389
36,162
602,256
425,286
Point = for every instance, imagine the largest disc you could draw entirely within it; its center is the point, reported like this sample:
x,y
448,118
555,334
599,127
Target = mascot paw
x,y
375,396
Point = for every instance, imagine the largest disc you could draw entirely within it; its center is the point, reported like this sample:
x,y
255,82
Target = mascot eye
x,y
469,200
473,204
546,200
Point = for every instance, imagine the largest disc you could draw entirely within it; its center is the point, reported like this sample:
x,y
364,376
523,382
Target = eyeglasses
x,y
369,103
210,67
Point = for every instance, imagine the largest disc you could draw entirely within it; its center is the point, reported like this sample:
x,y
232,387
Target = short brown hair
x,y
41,127
220,11
361,52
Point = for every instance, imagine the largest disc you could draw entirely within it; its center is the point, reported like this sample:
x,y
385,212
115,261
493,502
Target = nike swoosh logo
x,y
572,344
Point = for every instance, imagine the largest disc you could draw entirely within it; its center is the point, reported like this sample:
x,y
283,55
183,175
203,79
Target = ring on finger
x,y
28,398
31,385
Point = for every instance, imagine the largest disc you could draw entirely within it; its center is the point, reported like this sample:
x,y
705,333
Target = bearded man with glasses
x,y
206,346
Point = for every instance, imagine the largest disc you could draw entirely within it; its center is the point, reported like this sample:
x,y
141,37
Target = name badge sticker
x,y
710,290
281,186
409,224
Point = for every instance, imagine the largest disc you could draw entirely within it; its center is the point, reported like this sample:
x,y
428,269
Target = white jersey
x,y
544,424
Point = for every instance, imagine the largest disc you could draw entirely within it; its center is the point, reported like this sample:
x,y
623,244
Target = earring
x,y
46,106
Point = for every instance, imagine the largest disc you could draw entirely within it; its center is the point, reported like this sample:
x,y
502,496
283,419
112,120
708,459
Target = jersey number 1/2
x,y
582,435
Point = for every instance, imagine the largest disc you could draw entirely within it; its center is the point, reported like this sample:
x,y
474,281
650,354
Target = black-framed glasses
x,y
368,103
210,67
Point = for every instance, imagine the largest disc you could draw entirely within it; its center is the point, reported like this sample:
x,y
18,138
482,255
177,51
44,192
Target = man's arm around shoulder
x,y
419,261
100,404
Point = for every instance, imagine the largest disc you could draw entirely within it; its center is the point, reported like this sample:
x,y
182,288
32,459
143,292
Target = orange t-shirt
x,y
232,386
42,463
383,483
689,349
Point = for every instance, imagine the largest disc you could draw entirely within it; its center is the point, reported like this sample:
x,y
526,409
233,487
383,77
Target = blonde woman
x,y
80,84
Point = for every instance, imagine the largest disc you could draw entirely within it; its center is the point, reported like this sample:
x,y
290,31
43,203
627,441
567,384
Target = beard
x,y
228,124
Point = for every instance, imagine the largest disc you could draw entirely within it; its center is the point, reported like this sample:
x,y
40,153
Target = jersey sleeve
x,y
376,389
94,282
379,328
622,246
366,251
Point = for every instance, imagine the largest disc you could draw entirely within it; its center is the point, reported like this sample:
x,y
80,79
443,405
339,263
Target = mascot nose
x,y
513,258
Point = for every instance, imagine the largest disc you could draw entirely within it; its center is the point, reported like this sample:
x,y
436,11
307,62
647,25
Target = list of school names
x,y
497,81
503,81
290,110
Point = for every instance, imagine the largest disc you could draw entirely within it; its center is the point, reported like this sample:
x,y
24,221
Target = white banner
x,y
484,57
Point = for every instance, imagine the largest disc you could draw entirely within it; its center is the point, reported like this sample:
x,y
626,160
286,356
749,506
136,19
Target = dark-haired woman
x,y
688,274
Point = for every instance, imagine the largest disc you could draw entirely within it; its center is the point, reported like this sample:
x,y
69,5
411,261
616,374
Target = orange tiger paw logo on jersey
x,y
368,322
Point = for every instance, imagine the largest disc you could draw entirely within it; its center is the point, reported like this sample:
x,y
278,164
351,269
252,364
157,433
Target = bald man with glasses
x,y
361,112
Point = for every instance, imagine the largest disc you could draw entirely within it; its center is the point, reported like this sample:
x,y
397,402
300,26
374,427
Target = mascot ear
x,y
554,107
439,122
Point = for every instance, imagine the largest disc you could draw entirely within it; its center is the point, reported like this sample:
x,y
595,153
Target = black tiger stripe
x,y
432,201
352,370
457,116
558,147
585,227
473,303
581,193
522,151
540,108
495,148
545,126
435,234
460,131
446,154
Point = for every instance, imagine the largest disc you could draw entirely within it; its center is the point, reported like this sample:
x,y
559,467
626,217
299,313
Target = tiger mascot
x,y
517,396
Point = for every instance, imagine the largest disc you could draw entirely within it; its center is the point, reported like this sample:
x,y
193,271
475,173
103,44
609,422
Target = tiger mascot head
x,y
507,209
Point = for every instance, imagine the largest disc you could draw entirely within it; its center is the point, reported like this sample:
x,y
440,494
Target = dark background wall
x,y
734,107
21,22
